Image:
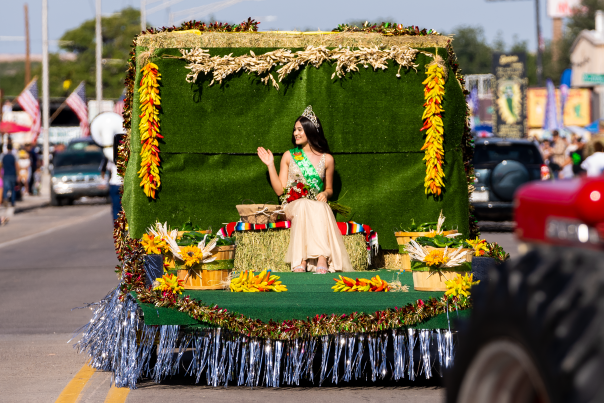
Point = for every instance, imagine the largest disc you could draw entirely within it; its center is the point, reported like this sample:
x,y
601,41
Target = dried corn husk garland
x,y
346,61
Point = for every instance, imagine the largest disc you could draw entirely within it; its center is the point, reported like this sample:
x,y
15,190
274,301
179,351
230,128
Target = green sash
x,y
309,172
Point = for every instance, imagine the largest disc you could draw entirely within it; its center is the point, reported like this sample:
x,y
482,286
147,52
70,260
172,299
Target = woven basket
x,y
260,213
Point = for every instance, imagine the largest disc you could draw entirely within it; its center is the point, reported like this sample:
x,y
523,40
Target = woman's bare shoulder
x,y
329,159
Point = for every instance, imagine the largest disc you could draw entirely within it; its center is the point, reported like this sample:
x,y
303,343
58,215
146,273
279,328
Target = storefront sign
x,y
576,110
593,78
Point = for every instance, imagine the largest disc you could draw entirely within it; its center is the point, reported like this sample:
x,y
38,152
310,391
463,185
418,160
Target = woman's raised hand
x,y
266,156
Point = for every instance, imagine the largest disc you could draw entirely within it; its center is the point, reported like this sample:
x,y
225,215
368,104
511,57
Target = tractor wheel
x,y
536,332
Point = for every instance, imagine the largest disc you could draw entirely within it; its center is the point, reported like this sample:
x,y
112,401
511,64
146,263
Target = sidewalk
x,y
28,203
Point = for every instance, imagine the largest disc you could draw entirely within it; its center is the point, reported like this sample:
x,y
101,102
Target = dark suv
x,y
501,167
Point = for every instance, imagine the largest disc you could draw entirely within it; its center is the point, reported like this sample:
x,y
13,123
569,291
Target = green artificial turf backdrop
x,y
308,295
372,120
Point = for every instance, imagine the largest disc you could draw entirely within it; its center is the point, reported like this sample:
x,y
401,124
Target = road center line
x,y
117,395
72,391
53,229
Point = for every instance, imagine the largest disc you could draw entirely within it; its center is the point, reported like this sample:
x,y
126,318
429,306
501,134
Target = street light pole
x,y
539,51
45,180
99,58
143,15
27,60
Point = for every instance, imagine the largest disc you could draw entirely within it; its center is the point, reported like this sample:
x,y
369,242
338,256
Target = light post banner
x,y
510,94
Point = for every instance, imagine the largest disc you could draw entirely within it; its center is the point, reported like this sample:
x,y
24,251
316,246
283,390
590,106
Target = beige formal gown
x,y
314,231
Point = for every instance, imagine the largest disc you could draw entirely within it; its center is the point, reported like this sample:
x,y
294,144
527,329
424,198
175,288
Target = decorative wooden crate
x,y
433,281
403,238
206,276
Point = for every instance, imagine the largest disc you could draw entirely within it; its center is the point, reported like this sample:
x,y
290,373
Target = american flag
x,y
28,99
77,102
119,105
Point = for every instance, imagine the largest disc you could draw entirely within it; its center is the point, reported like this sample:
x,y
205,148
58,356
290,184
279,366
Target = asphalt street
x,y
57,258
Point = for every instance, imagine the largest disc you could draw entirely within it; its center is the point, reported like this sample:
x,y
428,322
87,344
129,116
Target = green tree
x,y
473,52
584,17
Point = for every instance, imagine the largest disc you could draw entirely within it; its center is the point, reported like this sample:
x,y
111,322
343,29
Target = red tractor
x,y
536,333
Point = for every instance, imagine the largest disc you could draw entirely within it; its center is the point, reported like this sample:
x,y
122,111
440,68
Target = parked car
x,y
76,174
82,144
501,166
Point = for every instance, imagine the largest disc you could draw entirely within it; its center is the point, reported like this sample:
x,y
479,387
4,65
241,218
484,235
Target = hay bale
x,y
258,250
388,259
274,39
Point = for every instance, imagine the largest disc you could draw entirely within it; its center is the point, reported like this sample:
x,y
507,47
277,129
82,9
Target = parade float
x,y
200,100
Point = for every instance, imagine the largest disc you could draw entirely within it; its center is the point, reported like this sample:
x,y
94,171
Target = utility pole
x,y
143,15
99,58
27,61
45,185
539,50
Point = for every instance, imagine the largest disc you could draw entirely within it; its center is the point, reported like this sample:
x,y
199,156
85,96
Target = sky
x,y
507,18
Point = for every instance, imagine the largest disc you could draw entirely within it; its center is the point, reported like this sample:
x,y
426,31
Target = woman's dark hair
x,y
316,137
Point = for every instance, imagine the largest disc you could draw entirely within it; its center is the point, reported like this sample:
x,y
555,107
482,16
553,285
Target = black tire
x,y
536,333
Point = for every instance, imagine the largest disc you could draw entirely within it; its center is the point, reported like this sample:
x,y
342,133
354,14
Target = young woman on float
x,y
316,243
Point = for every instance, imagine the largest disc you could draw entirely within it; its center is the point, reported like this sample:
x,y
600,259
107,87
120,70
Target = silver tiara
x,y
310,115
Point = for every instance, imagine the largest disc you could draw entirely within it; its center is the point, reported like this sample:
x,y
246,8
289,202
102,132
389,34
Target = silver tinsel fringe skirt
x,y
116,339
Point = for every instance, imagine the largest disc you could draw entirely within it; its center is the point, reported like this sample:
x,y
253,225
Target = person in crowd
x,y
546,151
316,243
594,164
24,169
9,178
567,171
33,167
115,185
558,157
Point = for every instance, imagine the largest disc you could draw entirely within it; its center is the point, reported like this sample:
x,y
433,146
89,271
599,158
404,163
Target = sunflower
x,y
191,255
436,257
153,244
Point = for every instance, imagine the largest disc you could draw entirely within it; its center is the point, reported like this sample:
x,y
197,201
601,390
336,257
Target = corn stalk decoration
x,y
149,129
434,92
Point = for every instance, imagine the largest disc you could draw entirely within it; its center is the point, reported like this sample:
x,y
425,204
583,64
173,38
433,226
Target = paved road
x,y
54,259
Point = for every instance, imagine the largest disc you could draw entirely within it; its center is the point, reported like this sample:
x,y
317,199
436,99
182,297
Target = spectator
x,y
567,167
9,165
33,167
546,151
24,168
558,158
115,185
594,164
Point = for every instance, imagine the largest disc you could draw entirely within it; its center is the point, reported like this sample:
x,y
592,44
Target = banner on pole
x,y
510,94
